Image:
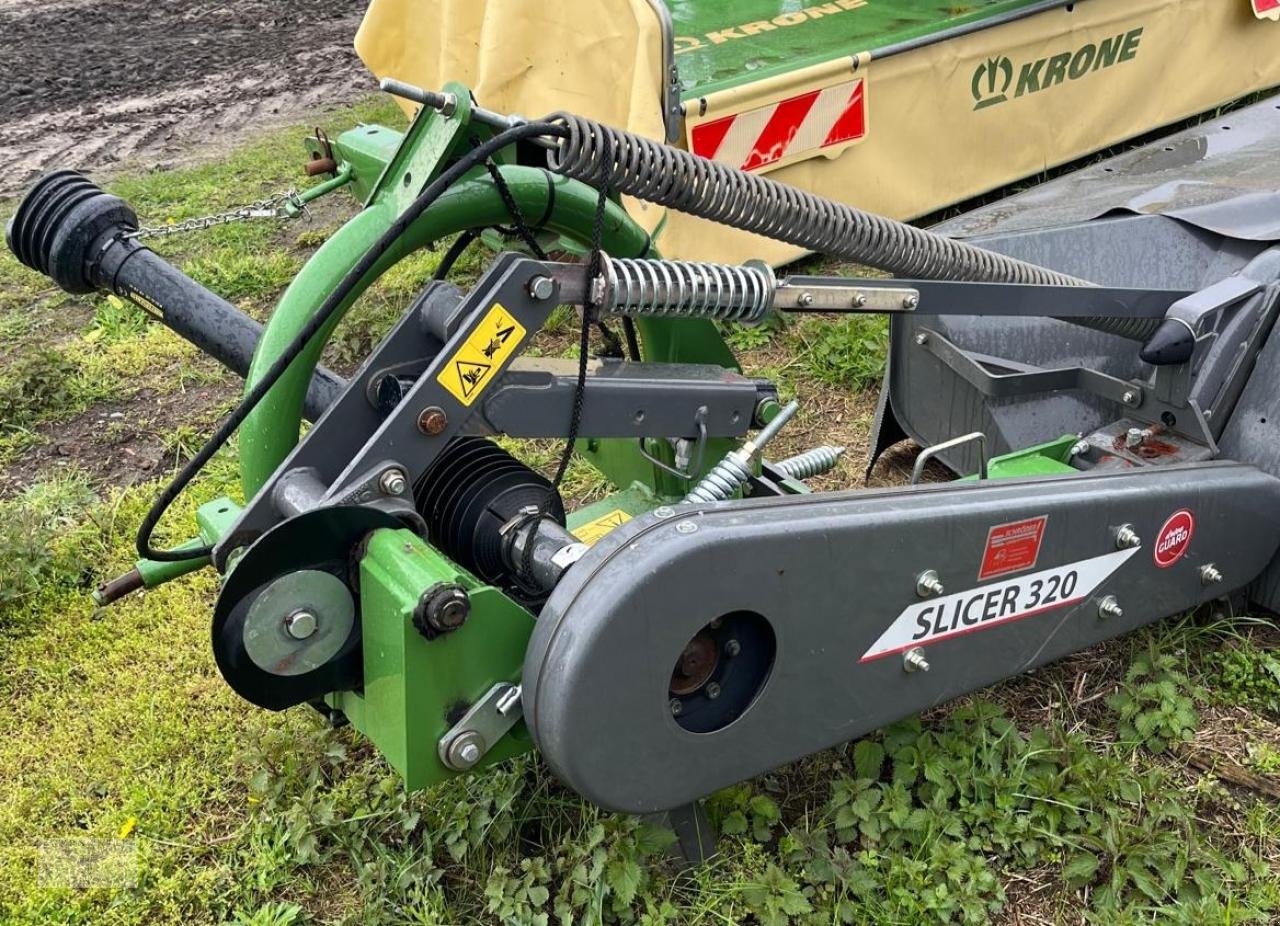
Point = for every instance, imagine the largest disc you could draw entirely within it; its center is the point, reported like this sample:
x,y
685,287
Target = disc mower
x,y
1093,357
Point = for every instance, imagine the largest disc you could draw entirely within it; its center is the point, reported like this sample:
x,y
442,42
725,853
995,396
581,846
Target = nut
x,y
432,420
910,302
464,750
1110,607
928,584
1127,538
1210,574
442,608
913,660
301,624
393,482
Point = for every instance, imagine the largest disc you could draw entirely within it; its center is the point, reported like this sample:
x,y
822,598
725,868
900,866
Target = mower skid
x,y
832,596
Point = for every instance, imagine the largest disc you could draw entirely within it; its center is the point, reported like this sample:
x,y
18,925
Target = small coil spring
x,y
685,289
605,157
813,462
725,478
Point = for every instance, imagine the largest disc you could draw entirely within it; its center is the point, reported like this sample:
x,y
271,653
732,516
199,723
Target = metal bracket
x,y
836,294
481,727
930,452
672,110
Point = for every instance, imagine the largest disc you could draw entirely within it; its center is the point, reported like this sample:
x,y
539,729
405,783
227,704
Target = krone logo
x,y
991,81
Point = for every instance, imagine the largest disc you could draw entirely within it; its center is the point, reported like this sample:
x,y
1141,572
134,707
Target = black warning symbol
x,y
498,340
471,375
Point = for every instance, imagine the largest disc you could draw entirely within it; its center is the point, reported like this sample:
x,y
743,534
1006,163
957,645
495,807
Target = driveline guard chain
x,y
605,157
273,207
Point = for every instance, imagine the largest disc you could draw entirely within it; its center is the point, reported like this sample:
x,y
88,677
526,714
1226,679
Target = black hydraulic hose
x,y
332,303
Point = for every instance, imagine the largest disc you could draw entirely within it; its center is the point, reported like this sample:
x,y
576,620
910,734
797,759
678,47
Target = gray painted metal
x,y
830,573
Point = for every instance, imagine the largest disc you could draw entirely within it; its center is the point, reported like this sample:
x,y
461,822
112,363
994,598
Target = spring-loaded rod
x,y
811,463
731,473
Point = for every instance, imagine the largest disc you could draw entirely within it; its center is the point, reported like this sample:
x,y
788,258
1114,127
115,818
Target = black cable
x,y
336,298
456,250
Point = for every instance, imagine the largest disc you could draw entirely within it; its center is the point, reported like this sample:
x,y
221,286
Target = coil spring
x,y
810,463
725,478
685,289
602,156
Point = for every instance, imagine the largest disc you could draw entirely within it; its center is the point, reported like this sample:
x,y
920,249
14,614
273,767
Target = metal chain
x,y
273,207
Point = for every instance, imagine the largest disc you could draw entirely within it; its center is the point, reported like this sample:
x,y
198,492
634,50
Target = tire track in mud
x,y
89,85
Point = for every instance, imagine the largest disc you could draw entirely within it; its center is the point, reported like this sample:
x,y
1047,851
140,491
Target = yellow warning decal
x,y
592,531
489,346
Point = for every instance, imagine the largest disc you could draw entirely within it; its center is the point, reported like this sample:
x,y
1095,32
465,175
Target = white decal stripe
x,y
822,116
741,138
988,606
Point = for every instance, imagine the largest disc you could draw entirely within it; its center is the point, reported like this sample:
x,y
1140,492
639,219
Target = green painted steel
x,y
213,519
1052,458
725,45
412,684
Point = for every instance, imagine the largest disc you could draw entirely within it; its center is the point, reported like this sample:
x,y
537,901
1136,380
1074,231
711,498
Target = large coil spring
x,y
686,289
813,462
725,478
606,157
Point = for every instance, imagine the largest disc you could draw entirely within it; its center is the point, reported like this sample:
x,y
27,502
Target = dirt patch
x,y
94,84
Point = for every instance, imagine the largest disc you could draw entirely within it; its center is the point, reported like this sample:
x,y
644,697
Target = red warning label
x,y
1012,547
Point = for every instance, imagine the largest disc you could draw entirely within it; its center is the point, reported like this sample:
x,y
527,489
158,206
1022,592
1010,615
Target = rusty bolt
x,y
432,420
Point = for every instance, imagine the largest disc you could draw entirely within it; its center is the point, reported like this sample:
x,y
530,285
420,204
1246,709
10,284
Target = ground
x,y
1135,782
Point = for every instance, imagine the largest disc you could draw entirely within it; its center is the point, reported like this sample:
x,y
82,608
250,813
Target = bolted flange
x,y
913,660
1109,607
928,584
442,608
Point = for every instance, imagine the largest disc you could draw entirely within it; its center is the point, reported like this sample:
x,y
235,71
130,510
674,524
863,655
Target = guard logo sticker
x,y
592,531
1012,547
989,606
485,351
1174,538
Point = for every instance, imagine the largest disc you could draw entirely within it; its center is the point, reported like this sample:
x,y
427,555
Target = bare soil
x,y
88,84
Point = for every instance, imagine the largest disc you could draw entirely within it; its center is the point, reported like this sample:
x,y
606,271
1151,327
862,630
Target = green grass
x,y
118,728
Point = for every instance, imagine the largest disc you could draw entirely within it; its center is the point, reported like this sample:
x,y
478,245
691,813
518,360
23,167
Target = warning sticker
x,y
989,606
1267,9
1012,547
492,343
592,531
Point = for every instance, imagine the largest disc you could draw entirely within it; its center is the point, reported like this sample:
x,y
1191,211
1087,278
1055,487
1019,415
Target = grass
x,y
1057,797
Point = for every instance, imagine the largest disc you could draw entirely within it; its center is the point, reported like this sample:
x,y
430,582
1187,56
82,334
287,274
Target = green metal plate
x,y
720,45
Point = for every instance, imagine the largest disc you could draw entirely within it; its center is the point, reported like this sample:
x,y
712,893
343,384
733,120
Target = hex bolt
x,y
805,299
686,527
677,707
393,482
928,584
713,690
1109,607
663,511
910,302
913,660
301,624
1127,538
922,339
1129,397
465,750
732,648
1134,437
1210,574
1080,448
542,288
432,420
859,300
442,608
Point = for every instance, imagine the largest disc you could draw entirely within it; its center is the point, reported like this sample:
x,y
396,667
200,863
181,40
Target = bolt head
x,y
713,690
1109,607
805,299
676,706
542,287
1079,448
663,511
1127,538
432,420
732,648
393,482
922,339
859,300
1210,574
913,660
910,302
442,609
470,753
686,527
928,584
301,624
464,750
1129,397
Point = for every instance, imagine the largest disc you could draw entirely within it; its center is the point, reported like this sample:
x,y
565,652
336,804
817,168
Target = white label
x,y
988,606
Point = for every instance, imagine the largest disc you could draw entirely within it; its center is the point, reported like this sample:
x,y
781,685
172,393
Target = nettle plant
x,y
1154,704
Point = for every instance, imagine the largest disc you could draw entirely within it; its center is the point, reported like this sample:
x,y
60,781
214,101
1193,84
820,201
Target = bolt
x,y
804,299
1109,607
301,624
1210,574
928,584
713,690
677,707
663,511
732,648
441,609
1130,397
913,660
542,287
1127,538
910,302
1134,437
432,420
922,339
859,300
393,482
686,527
465,750
716,623
1080,448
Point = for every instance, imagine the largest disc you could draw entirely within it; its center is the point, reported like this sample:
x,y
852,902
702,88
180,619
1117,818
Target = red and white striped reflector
x,y
1267,9
799,125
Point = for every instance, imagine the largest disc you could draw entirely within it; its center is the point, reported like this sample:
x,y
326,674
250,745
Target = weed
x,y
115,320
34,384
1246,675
1153,707
850,352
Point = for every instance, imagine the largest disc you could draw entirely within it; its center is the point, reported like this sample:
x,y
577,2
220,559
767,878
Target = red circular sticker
x,y
1174,538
